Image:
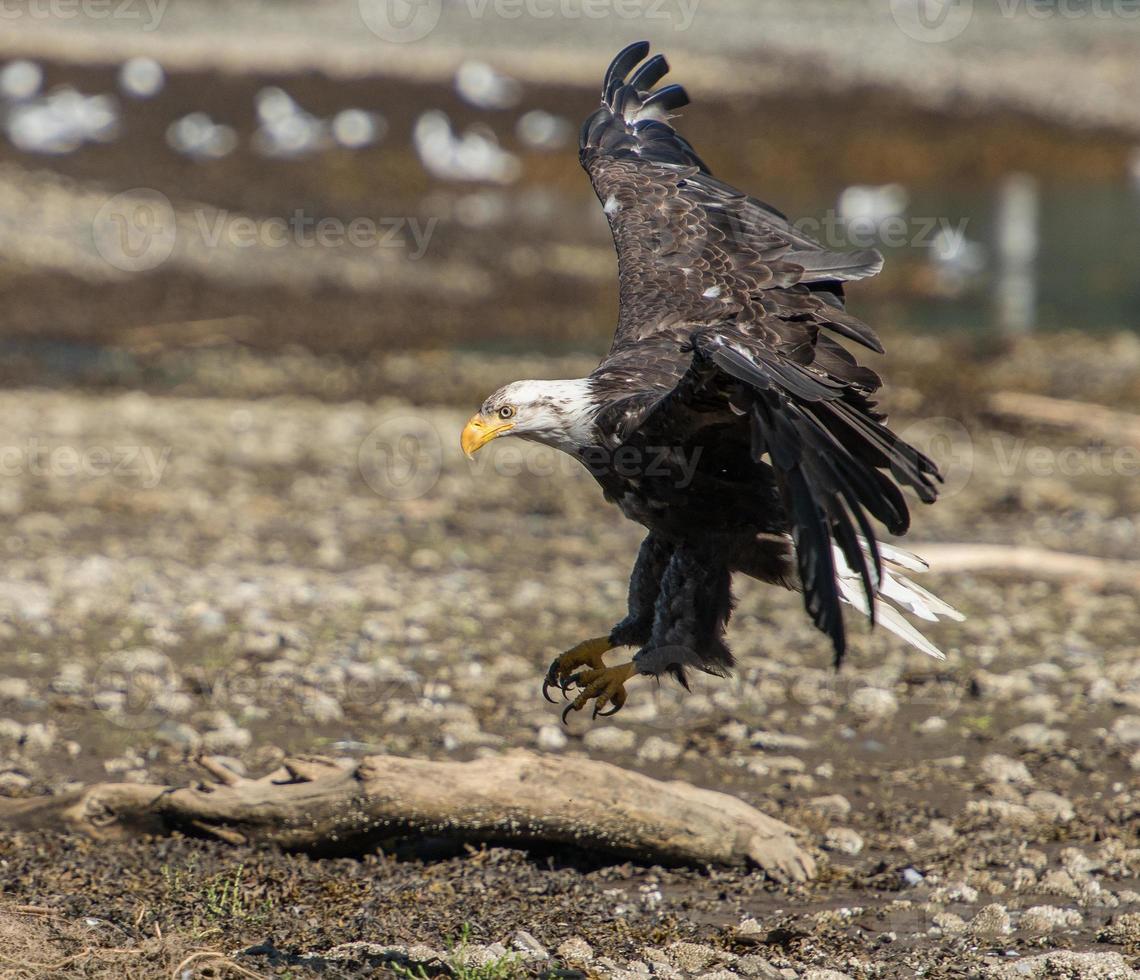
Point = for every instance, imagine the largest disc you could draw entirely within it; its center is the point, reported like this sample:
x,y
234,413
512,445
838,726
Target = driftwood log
x,y
1094,421
1030,562
316,803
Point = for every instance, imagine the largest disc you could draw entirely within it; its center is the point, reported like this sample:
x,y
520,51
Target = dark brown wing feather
x,y
725,318
691,248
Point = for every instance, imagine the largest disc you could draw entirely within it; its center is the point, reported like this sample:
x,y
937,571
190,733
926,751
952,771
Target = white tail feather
x,y
896,588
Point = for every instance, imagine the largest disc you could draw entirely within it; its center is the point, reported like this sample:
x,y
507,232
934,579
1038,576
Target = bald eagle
x,y
726,418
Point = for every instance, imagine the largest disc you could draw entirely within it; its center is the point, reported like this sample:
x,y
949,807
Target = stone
x,y
1050,806
575,950
835,805
658,749
756,966
692,957
1067,965
843,840
530,947
1002,769
1040,738
991,920
1122,930
1126,729
1048,918
550,738
609,739
873,703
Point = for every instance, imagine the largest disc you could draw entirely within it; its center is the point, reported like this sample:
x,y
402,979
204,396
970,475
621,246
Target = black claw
x,y
546,691
566,711
605,714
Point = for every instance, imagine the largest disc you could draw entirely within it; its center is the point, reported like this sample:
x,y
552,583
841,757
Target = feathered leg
x,y
690,617
598,682
644,587
690,614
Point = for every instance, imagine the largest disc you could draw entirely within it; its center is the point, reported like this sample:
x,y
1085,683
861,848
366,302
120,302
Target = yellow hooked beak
x,y
479,431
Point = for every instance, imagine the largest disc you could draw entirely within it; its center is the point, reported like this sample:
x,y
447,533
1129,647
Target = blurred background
x,y
991,150
260,260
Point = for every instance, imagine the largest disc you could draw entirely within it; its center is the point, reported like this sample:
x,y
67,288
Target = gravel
x,y
262,598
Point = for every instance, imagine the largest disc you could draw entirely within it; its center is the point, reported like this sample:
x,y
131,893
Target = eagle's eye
x,y
507,412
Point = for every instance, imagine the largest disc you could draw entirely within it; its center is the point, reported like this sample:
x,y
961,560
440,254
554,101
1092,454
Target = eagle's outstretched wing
x,y
690,247
725,309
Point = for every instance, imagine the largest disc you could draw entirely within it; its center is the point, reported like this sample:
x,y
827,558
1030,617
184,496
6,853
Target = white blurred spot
x,y
542,130
864,208
482,86
356,128
956,255
474,156
20,80
63,121
198,136
141,77
286,129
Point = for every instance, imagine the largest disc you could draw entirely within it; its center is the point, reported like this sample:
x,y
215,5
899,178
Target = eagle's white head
x,y
555,413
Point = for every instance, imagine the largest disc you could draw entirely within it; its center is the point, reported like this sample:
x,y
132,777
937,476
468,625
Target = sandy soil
x,y
199,570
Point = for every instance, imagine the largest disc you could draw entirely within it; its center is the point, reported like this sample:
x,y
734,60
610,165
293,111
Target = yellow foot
x,y
588,653
603,686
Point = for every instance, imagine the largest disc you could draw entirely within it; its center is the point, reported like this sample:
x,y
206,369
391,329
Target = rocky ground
x,y
195,569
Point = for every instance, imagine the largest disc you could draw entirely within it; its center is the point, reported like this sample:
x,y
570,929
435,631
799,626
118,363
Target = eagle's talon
x,y
605,686
565,670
